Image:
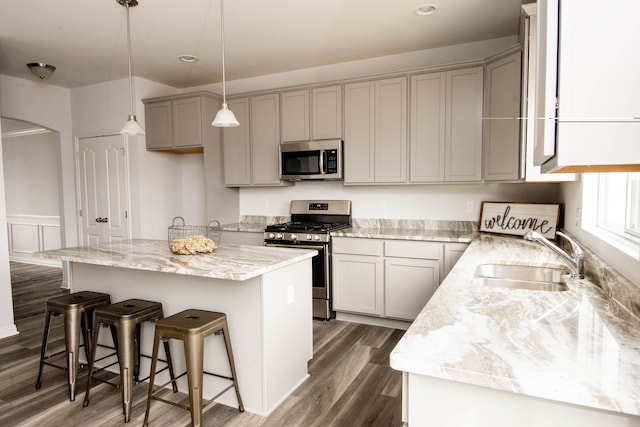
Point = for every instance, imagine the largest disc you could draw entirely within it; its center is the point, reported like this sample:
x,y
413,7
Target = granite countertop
x,y
461,236
576,346
232,262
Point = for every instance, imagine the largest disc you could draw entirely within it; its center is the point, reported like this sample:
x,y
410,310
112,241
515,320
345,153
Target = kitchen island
x,y
486,356
265,293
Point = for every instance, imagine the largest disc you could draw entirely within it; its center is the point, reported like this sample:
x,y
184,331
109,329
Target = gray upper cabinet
x,y
295,116
265,138
179,123
463,155
314,114
376,131
326,111
251,149
501,118
427,144
237,146
446,126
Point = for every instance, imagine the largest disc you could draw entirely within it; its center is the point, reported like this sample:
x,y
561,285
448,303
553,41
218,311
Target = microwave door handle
x,y
323,162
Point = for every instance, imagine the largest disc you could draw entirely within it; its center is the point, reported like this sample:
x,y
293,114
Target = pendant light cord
x,y
224,95
131,103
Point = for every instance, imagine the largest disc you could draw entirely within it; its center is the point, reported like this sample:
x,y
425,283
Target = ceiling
x,y
86,40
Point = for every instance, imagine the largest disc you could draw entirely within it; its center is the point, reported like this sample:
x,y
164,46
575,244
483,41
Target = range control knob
x,y
316,237
271,236
309,237
279,236
294,236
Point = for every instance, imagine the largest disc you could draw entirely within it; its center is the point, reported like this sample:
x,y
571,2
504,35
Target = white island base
x,y
429,401
269,317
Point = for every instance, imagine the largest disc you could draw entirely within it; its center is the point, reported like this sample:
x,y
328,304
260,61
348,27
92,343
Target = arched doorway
x,y
32,176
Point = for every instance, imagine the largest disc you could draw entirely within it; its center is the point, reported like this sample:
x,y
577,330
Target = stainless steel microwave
x,y
311,160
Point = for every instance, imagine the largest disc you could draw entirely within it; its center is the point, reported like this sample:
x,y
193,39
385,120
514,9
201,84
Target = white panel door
x,y
103,184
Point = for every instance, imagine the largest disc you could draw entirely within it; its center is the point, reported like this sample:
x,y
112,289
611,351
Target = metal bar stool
x,y
77,309
192,326
126,318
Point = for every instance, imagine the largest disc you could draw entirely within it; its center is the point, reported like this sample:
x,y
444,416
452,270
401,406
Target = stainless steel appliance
x,y
311,224
311,160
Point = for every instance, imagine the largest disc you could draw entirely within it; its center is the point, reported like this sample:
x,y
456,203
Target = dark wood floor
x,y
350,384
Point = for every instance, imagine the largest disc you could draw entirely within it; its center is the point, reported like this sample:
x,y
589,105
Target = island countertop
x,y
577,346
232,262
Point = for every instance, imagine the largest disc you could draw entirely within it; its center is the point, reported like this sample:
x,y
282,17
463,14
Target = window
x,y
611,203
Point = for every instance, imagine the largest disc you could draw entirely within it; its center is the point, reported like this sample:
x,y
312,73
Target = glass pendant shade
x,y
132,127
225,118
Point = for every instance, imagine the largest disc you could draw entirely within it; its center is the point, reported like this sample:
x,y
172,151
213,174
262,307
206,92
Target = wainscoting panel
x,y
33,233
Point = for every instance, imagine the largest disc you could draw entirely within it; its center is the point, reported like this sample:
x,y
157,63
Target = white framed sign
x,y
519,218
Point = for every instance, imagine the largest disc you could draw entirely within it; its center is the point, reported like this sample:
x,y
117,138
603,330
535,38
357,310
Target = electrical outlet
x,y
470,206
577,217
383,204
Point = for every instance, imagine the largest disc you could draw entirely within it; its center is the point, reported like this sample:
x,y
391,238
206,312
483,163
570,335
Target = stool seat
x,y
125,319
77,309
192,326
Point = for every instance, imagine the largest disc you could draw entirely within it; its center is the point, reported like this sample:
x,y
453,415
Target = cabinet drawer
x,y
357,246
412,249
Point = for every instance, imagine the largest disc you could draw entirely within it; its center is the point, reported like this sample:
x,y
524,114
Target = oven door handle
x,y
284,245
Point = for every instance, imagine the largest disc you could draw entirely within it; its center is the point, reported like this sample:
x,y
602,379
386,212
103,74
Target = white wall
x,y
7,325
32,162
434,201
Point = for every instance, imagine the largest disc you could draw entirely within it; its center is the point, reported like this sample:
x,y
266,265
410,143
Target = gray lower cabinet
x,y
386,278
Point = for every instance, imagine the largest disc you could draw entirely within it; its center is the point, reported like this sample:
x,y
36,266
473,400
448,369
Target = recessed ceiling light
x,y
426,9
188,58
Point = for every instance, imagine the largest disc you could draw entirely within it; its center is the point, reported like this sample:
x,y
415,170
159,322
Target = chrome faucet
x,y
575,260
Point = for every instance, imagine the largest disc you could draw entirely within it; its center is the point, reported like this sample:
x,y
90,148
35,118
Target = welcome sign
x,y
519,218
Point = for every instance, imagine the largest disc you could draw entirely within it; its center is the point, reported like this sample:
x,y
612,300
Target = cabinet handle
x,y
102,219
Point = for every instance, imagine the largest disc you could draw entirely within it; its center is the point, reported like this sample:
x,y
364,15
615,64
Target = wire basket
x,y
193,239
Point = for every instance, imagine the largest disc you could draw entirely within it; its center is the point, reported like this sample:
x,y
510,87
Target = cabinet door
x,y
464,125
452,253
295,116
158,125
187,122
598,113
501,124
237,146
409,284
359,118
265,138
390,139
358,284
427,145
327,112
546,81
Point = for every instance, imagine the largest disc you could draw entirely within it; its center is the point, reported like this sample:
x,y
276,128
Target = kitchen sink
x,y
514,276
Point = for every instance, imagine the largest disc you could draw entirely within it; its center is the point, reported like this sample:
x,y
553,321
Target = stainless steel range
x,y
311,224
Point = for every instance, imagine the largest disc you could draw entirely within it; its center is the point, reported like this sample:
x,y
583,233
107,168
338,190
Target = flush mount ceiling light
x,y
131,126
41,69
188,58
426,9
224,117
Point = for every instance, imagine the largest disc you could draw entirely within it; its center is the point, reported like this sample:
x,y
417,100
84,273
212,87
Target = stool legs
x,y
194,354
43,349
227,343
72,342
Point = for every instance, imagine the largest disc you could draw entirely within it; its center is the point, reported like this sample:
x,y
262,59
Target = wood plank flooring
x,y
350,384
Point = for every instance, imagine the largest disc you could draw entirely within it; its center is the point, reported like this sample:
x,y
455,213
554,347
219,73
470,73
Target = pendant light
x,y
224,117
131,126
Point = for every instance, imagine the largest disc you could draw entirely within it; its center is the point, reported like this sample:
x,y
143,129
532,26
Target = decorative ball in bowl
x,y
193,245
